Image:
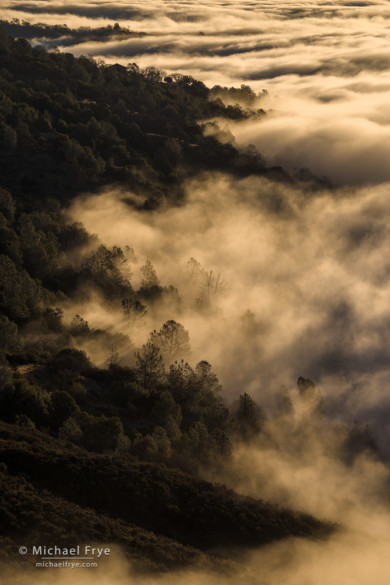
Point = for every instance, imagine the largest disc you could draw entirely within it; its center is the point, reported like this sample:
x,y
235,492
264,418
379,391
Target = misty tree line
x,y
180,405
119,432
63,33
171,414
163,407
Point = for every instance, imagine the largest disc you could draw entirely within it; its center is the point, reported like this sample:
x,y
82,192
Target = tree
x,y
165,409
162,442
250,416
30,400
7,205
196,391
249,324
172,340
79,326
53,319
154,74
150,365
62,406
310,396
20,295
133,308
203,446
8,139
218,417
306,388
113,355
223,443
71,361
5,373
106,268
101,433
194,267
70,431
145,448
149,274
9,338
213,285
186,390
207,378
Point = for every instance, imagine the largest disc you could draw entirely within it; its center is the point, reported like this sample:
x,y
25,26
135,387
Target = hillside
x,y
111,454
71,124
54,491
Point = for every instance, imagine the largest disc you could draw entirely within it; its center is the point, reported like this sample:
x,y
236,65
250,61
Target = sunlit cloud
x,y
310,268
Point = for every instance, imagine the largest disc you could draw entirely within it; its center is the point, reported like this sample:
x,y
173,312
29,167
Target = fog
x,y
310,266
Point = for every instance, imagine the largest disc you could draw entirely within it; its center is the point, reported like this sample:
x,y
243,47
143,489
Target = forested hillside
x,y
71,124
131,438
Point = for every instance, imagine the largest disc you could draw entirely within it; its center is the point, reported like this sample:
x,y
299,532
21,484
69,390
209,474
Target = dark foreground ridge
x,y
59,493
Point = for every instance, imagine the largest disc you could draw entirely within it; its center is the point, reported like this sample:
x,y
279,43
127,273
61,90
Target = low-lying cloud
x,y
311,270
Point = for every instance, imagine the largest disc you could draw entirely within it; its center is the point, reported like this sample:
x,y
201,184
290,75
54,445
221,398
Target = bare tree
x,y
214,285
172,340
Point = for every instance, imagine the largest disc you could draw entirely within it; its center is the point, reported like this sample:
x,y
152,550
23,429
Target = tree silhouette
x,y
250,416
150,366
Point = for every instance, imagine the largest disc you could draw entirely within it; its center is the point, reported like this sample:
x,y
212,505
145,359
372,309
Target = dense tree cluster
x,y
70,124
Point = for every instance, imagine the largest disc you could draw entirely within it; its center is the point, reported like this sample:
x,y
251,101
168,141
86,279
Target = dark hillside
x,y
125,494
70,124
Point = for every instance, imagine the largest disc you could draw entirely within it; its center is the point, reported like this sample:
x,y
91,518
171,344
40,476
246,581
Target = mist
x,y
308,267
